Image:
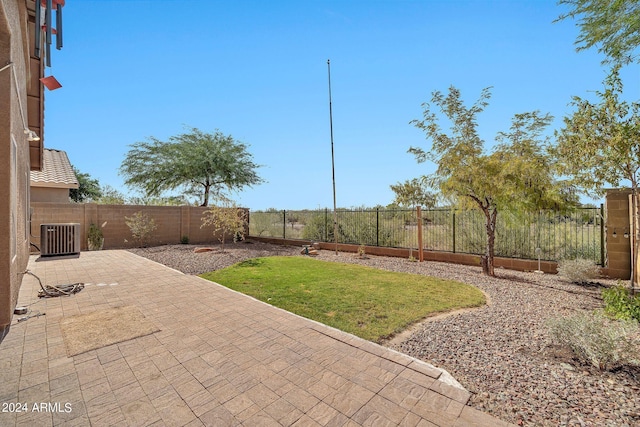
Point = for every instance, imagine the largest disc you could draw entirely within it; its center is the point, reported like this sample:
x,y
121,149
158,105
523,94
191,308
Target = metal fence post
x,y
326,224
453,215
284,223
377,227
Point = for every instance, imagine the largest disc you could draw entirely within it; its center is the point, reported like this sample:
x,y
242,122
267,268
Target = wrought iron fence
x,y
550,235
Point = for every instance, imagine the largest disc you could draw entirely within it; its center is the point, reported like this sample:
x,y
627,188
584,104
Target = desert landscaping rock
x,y
500,353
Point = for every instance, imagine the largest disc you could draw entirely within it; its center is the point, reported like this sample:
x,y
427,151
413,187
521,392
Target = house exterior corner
x,y
19,89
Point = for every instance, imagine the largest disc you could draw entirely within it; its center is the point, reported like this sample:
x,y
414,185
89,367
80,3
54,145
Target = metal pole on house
x,y
333,171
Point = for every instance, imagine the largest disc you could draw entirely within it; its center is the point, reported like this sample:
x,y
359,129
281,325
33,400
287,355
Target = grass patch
x,y
372,304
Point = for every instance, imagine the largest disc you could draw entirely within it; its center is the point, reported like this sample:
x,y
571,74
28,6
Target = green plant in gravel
x,y
372,304
362,251
620,304
580,270
598,340
141,226
225,219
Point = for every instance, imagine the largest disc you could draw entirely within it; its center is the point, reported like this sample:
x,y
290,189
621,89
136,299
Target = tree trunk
x,y
487,262
207,187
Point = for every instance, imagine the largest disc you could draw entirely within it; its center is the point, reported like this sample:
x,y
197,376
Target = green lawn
x,y
372,304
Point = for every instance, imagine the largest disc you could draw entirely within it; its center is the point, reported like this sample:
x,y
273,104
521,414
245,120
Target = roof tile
x,y
56,171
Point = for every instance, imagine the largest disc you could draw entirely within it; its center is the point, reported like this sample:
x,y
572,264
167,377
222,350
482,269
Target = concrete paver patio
x,y
220,359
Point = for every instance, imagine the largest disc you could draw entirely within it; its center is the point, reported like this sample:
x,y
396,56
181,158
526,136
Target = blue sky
x,y
257,70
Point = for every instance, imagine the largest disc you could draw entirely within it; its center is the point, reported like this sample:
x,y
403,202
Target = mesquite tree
x,y
599,146
612,26
516,174
200,163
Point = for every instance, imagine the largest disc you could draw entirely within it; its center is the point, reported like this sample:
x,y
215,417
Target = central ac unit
x,y
59,239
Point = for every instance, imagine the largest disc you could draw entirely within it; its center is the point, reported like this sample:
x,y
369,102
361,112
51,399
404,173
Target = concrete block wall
x,y
198,235
118,235
173,222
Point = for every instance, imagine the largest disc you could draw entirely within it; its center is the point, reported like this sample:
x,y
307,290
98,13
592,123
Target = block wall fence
x,y
173,222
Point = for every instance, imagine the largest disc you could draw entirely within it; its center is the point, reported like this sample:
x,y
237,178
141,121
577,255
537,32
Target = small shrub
x,y
620,304
184,240
319,227
362,251
95,238
226,219
141,226
597,340
580,270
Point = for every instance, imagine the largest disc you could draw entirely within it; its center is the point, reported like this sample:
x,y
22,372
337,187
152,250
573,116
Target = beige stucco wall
x,y
14,157
49,195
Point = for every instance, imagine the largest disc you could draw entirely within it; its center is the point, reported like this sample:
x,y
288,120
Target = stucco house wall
x,y
49,195
14,155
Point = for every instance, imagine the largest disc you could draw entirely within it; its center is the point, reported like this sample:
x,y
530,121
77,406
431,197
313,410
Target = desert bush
x,y
268,224
355,227
226,219
319,227
597,340
141,226
578,270
362,251
95,237
620,304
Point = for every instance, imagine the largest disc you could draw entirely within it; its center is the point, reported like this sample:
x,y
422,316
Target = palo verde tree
x,y
613,26
599,145
514,175
200,163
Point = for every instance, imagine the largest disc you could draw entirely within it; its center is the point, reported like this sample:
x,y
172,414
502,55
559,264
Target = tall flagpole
x,y
333,171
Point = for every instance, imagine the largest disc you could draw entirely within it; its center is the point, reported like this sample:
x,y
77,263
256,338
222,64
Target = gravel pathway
x,y
500,352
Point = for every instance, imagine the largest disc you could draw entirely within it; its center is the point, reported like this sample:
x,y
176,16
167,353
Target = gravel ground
x,y
500,352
